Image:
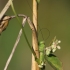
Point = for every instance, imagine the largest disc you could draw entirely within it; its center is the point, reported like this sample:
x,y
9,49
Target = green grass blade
x,y
12,6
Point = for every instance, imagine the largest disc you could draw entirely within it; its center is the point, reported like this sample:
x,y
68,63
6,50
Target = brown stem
x,y
35,38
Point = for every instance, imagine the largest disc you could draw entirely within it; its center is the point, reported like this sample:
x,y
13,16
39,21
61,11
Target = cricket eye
x,y
6,18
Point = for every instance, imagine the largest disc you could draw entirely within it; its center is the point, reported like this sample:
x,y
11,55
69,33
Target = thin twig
x,y
13,50
5,9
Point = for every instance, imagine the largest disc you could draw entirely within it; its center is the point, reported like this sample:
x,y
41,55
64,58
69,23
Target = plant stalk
x,y
35,37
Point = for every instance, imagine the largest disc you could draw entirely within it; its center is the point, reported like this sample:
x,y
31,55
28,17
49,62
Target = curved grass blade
x,y
12,6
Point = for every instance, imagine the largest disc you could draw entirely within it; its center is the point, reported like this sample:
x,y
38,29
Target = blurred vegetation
x,y
53,15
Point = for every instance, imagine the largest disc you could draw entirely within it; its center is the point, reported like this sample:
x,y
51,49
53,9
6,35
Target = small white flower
x,y
58,47
48,50
54,49
53,46
59,41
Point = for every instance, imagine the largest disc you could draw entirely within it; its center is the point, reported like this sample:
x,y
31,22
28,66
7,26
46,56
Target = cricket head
x,y
4,23
41,42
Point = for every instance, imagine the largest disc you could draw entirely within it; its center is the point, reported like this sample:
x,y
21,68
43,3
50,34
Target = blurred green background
x,y
53,15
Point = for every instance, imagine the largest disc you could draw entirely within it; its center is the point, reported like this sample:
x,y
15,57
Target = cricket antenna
x,y
40,31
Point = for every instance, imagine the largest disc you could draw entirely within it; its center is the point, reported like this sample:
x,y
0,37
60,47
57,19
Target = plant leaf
x,y
54,62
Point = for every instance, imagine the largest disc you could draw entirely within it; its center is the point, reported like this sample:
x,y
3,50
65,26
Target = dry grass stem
x,y
5,9
13,50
